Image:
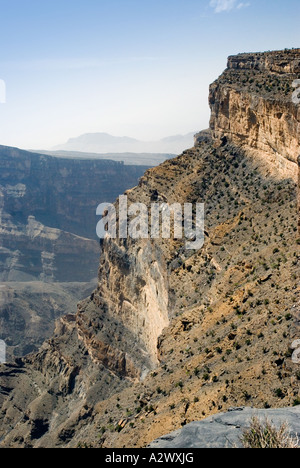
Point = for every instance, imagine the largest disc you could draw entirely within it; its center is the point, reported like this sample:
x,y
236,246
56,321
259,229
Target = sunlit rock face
x,y
253,106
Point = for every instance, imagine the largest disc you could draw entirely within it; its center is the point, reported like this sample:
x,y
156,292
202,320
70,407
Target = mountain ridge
x,y
105,143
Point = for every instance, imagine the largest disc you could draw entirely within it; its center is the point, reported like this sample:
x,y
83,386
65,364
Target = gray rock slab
x,y
224,430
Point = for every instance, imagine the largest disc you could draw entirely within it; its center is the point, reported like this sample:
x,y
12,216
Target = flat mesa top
x,y
279,61
268,74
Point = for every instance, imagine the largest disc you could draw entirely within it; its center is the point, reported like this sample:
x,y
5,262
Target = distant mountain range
x,y
104,143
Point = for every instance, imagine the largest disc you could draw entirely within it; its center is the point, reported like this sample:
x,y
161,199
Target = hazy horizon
x,y
140,69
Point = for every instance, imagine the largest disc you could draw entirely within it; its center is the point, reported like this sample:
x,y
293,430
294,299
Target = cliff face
x,y
61,193
48,213
28,311
48,234
252,106
214,323
133,283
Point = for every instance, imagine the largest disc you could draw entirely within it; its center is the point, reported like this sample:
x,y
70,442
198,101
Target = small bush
x,y
279,393
265,435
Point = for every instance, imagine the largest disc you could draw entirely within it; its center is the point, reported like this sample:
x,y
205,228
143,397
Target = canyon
x,y
48,235
170,336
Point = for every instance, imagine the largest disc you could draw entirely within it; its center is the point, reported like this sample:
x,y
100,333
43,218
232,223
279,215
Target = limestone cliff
x,y
252,106
169,335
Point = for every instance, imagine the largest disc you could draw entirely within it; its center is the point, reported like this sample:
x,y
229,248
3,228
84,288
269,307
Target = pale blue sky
x,y
127,67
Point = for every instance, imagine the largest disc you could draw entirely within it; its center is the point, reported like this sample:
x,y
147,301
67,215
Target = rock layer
x,y
252,106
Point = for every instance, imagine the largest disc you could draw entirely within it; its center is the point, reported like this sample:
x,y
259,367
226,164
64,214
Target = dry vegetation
x,y
263,435
229,339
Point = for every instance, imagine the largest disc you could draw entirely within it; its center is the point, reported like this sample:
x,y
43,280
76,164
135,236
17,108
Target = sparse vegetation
x,y
263,435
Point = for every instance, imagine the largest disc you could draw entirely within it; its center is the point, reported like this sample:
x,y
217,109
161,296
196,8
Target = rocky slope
x,y
170,336
28,311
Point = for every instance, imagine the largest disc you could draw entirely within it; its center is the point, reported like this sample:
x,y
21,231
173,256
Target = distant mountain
x,y
105,143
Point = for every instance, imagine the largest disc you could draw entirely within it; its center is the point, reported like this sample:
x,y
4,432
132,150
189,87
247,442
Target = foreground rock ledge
x,y
224,430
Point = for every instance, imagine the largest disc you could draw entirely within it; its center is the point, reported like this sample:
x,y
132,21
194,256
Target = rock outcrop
x,y
171,336
225,430
252,106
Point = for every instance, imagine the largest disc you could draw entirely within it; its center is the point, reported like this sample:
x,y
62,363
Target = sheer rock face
x,y
133,281
252,106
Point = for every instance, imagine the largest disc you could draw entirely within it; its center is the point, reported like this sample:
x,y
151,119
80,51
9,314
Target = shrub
x,y
279,393
265,435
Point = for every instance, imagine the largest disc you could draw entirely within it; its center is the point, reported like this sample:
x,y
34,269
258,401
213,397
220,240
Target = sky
x,y
139,68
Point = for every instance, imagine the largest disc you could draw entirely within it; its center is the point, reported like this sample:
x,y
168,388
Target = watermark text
x,y
2,352
296,353
162,220
296,93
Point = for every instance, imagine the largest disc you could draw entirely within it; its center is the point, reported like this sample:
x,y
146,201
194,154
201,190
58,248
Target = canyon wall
x,y
48,213
48,235
252,106
61,193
